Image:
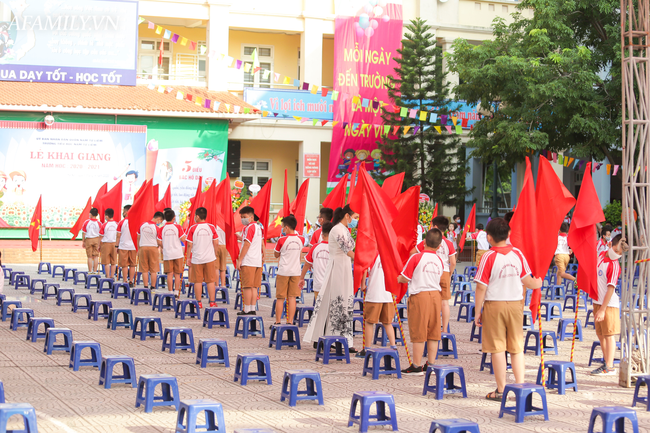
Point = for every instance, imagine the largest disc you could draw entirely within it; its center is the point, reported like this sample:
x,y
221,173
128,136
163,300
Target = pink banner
x,y
364,47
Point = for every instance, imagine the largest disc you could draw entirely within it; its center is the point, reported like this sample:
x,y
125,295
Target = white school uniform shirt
x,y
481,240
126,243
222,235
109,232
445,251
562,244
318,257
289,247
148,232
602,246
170,235
501,270
424,270
202,236
252,234
376,288
91,228
609,272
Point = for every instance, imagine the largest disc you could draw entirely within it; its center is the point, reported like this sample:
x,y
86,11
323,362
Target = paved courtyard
x,y
70,402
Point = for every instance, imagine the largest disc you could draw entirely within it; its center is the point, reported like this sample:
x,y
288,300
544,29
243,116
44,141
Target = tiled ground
x,y
68,401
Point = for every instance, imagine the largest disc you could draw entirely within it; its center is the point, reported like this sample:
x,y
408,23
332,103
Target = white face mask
x,y
244,221
612,254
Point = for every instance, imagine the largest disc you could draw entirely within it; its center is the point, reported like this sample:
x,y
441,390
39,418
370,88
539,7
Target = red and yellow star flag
x,y
470,226
35,225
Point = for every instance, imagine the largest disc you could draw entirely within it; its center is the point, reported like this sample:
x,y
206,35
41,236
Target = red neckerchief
x,y
503,250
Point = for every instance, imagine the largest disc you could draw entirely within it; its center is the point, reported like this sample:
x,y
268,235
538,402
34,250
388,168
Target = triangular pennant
x,y
448,128
323,123
438,129
335,95
276,77
454,120
406,129
416,129
609,168
615,170
395,129
314,89
314,122
265,113
323,91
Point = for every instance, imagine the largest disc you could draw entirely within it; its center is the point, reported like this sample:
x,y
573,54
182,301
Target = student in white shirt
x,y
148,249
288,249
90,235
316,260
107,250
170,238
606,239
126,248
222,257
202,240
251,259
482,244
563,255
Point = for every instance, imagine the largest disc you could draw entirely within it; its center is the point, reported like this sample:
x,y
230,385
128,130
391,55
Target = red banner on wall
x,y
365,43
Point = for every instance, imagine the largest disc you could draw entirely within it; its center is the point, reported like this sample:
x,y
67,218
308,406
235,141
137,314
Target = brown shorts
x,y
424,316
108,253
287,287
445,286
222,258
251,277
92,247
378,312
562,261
173,266
203,273
479,254
502,327
611,324
127,258
149,260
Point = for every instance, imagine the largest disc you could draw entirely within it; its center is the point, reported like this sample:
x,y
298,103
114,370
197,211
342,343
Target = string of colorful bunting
x,y
579,164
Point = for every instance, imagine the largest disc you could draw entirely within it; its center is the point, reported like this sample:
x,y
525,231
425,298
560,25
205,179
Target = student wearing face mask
x,y
251,259
605,241
334,305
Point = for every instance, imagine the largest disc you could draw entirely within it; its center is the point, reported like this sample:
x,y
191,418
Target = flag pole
x,y
541,342
40,242
401,330
575,321
473,252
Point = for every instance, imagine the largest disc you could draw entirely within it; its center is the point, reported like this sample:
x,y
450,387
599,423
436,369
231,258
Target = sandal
x,y
494,396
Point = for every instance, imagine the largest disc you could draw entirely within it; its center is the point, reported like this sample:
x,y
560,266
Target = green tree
x,y
551,81
613,212
432,160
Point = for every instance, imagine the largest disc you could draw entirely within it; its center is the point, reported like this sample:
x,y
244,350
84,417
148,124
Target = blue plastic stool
x,y
161,281
554,292
556,376
34,324
445,339
113,316
95,359
191,409
367,399
524,401
265,289
209,317
376,355
456,425
355,320
535,347
290,384
7,272
642,380
242,368
136,299
105,285
2,393
202,356
50,340
13,275
44,267
549,307
26,411
613,418
602,360
68,274
562,329
380,337
78,278
106,376
249,326
485,363
301,312
121,290
590,322
99,309
221,295
284,308
61,299
170,335
182,309
5,308
146,390
469,308
476,333
20,318
190,290
444,375
49,294
33,289
92,281
76,302
357,309
277,336
164,301
528,320
573,299
23,281
147,327
324,349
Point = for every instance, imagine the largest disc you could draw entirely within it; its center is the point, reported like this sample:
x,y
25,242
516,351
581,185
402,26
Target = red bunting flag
x,y
83,216
392,186
336,197
470,226
113,200
35,224
262,205
97,203
166,201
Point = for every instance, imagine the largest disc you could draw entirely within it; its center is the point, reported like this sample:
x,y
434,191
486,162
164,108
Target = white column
x,y
311,52
451,77
310,146
217,39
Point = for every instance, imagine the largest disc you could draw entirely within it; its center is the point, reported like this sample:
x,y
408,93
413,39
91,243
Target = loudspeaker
x,y
234,156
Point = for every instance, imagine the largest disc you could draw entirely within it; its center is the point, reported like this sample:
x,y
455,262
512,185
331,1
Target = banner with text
x,y
290,103
365,42
72,41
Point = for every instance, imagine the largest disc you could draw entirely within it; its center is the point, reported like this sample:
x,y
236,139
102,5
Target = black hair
x,y
166,209
159,215
327,228
132,172
327,214
246,210
169,215
508,216
127,207
201,213
442,222
94,212
340,212
455,225
480,226
564,228
290,221
455,216
434,238
607,228
109,213
617,239
348,151
498,228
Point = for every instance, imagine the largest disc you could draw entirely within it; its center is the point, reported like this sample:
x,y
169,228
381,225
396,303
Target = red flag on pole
x,y
83,216
112,200
470,226
166,201
433,215
299,206
366,243
336,197
141,211
97,203
406,226
583,234
156,192
35,224
141,189
227,218
286,203
393,185
275,227
262,205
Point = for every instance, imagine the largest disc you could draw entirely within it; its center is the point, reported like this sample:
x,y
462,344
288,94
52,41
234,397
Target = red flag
x,y
83,216
275,227
141,189
353,181
286,204
583,234
299,206
113,200
406,226
366,243
470,226
393,185
35,224
227,218
336,197
97,203
166,201
156,192
262,205
209,201
194,201
433,215
142,210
